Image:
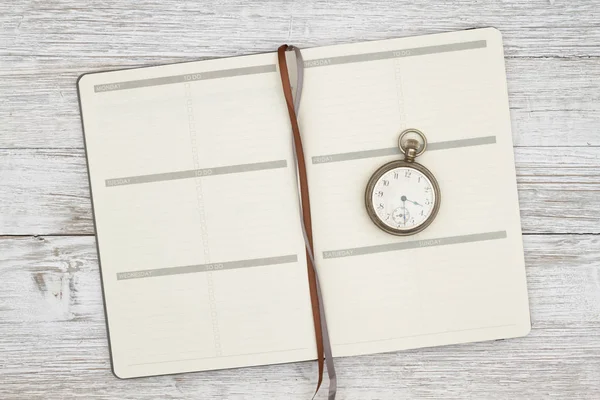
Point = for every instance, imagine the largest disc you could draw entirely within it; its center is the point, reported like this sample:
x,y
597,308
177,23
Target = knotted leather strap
x,y
320,322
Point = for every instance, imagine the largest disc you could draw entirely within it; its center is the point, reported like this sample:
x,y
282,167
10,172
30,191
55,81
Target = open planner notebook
x,y
196,209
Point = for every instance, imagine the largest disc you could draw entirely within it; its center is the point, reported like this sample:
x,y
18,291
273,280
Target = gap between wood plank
x,y
206,58
59,235
81,148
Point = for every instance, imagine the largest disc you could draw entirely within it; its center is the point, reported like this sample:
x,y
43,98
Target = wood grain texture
x,y
52,334
38,99
53,342
46,191
115,28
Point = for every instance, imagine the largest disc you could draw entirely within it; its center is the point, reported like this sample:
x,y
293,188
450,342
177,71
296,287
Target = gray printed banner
x,y
413,244
195,173
190,269
391,151
383,55
199,76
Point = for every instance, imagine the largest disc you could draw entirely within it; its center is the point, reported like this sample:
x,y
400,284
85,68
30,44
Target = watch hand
x,y
404,207
415,203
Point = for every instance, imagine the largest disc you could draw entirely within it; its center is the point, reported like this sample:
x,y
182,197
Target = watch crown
x,y
411,147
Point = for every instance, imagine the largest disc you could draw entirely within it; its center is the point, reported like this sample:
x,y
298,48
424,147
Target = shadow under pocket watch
x,y
403,197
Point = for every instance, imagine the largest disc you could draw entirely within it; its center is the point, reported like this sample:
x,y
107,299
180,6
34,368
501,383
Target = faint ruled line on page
x,y
384,55
225,356
393,151
196,76
415,244
204,235
191,269
428,334
195,173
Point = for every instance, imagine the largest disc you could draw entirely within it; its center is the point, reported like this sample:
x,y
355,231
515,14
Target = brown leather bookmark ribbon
x,y
320,322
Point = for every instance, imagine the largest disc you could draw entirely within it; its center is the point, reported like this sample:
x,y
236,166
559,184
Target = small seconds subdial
x,y
401,215
404,198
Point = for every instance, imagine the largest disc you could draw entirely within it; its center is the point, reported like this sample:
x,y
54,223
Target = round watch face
x,y
403,198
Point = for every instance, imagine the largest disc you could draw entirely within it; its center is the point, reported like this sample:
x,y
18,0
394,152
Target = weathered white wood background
x,y
52,334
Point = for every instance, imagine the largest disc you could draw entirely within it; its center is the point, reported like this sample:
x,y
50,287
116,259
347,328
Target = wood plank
x,y
38,102
169,28
46,191
54,345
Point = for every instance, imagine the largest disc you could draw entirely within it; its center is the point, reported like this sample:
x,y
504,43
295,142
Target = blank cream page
x,y
197,220
463,278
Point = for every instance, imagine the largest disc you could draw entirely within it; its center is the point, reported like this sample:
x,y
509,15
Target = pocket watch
x,y
402,196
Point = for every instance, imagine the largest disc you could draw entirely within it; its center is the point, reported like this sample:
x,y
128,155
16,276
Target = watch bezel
x,y
371,187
